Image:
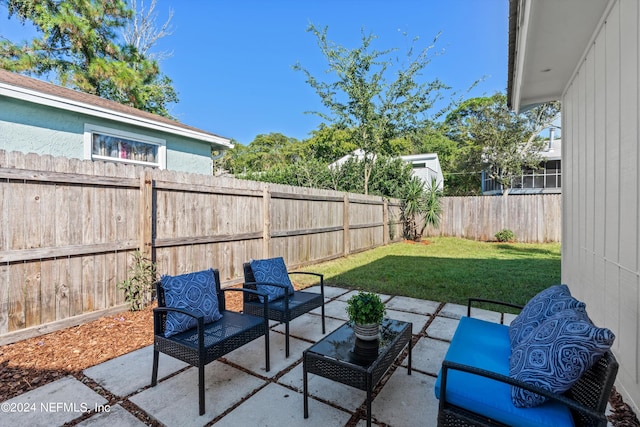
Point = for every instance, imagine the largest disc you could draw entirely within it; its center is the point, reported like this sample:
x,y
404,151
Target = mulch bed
x,y
31,363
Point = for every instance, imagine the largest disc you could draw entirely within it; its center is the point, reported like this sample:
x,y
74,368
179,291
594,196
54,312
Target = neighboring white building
x,y
425,166
586,53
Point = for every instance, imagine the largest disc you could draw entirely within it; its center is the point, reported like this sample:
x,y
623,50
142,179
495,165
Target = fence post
x,y
146,213
385,220
346,241
266,228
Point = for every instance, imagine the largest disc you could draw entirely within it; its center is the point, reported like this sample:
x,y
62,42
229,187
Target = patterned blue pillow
x,y
546,303
272,270
556,354
193,291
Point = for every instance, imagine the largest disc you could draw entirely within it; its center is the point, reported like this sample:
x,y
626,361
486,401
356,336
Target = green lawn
x,y
449,270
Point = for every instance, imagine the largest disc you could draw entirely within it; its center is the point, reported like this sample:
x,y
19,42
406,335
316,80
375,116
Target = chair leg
x,y
154,371
323,326
286,337
266,350
201,387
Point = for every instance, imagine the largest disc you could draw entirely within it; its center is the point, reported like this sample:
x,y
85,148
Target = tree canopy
x,y
498,140
364,99
78,46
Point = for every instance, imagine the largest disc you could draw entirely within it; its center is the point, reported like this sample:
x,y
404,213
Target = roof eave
x,y
37,97
548,41
513,20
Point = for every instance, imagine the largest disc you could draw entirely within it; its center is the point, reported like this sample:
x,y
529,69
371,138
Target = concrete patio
x,y
239,392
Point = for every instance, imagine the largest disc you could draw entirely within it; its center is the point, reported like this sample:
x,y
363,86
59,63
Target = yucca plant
x,y
432,206
412,207
418,202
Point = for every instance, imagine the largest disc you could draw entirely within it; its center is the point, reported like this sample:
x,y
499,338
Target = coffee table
x,y
333,357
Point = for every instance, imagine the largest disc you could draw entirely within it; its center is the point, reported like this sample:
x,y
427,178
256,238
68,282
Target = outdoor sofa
x,y
550,367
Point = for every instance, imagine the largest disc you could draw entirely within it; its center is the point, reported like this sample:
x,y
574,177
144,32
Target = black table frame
x,y
347,368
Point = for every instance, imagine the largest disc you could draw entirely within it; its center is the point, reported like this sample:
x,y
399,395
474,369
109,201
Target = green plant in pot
x,y
365,311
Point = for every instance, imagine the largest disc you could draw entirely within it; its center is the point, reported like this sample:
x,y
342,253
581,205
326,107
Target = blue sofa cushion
x,y
556,354
195,292
546,303
272,270
485,345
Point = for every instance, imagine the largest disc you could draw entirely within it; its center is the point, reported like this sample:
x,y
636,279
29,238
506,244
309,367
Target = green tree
x,y
233,160
308,173
329,143
494,138
389,177
364,99
270,150
78,47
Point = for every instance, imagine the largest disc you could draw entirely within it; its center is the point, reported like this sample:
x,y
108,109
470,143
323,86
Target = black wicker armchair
x,y
206,342
285,308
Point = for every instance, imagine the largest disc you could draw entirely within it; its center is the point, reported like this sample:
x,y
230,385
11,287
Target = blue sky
x,y
232,60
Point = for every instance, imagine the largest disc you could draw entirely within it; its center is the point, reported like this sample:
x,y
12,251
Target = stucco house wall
x,y
38,117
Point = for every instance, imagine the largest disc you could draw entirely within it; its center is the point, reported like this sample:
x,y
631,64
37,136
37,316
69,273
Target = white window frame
x,y
91,129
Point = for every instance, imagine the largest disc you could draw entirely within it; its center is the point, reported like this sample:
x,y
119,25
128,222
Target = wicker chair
x,y
286,308
587,398
207,341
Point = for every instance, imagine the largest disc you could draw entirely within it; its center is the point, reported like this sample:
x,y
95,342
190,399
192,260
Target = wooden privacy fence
x,y
69,227
533,218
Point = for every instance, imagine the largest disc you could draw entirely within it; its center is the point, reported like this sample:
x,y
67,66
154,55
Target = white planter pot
x,y
368,332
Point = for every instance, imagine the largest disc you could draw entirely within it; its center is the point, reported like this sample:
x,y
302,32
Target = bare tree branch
x,y
142,31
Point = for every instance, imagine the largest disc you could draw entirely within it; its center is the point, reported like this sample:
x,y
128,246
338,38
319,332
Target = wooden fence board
x,y
16,282
32,239
60,274
4,299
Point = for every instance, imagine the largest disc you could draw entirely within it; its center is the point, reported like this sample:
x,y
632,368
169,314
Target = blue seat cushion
x,y
195,292
271,270
556,354
486,345
546,303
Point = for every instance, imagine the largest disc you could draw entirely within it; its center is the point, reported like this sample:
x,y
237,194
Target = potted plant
x,y
365,311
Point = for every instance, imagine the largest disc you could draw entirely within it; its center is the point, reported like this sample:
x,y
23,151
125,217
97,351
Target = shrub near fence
x,y
69,228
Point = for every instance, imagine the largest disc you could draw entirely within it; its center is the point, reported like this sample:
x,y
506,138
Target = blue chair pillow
x,y
545,304
556,354
272,270
195,292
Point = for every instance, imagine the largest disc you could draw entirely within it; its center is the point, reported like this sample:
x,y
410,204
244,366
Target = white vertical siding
x,y
629,134
612,168
601,188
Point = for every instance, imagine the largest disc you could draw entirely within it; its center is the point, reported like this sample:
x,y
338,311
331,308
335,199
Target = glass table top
x,y
341,343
